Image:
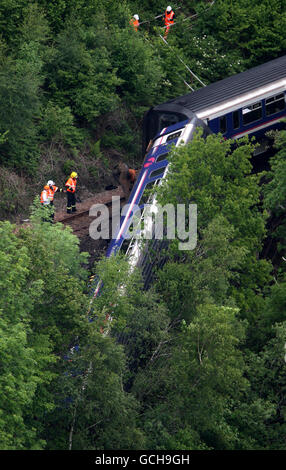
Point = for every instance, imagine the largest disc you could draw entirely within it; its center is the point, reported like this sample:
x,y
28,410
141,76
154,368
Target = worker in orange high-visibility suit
x,y
52,190
131,175
71,189
169,19
46,202
135,22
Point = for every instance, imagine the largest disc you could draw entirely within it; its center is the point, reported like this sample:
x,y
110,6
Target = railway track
x,y
80,220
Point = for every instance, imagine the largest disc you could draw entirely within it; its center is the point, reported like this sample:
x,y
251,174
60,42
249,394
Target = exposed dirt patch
x,y
80,222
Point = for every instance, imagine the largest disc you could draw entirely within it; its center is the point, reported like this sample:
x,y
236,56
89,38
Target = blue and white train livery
x,y
154,169
248,103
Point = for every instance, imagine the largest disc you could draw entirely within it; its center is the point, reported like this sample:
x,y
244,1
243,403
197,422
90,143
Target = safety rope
x,y
158,16
188,68
180,76
166,42
175,9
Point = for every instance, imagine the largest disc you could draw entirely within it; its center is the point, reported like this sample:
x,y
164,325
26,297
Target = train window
x,y
158,172
162,156
125,245
173,136
275,104
167,120
222,124
252,113
235,120
147,192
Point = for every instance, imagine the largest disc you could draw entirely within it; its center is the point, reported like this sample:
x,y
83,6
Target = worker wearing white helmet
x,y
52,190
47,200
169,19
135,22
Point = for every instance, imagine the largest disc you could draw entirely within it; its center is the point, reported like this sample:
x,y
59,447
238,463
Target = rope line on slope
x,y
177,8
185,82
188,68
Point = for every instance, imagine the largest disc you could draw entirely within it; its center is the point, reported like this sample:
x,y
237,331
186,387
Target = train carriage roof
x,y
230,87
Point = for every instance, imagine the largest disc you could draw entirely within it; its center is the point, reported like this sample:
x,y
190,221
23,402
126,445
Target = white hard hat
x,y
136,17
169,8
50,183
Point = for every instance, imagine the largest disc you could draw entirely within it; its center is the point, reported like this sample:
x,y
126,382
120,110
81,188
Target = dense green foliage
x,y
198,361
68,65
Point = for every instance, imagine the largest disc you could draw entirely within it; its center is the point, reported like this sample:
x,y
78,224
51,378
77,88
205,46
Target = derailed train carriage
x,y
155,167
248,103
